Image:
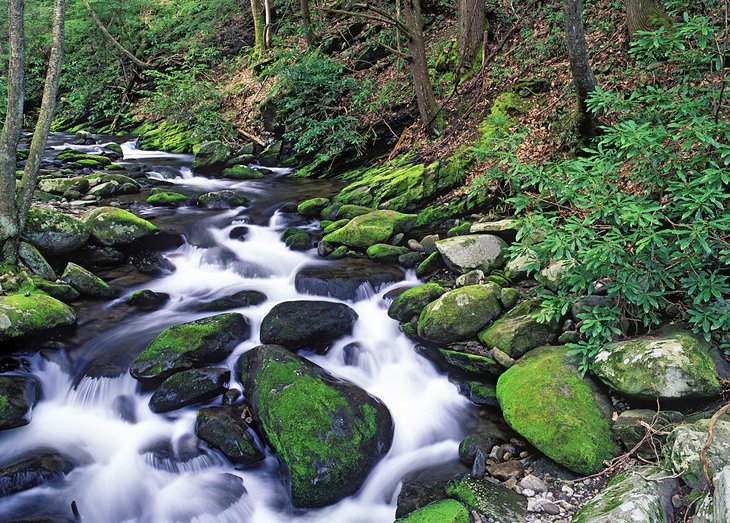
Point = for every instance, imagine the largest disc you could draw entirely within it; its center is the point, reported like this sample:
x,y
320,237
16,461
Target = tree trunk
x,y
10,135
259,26
419,66
119,47
644,15
583,78
471,29
307,22
43,125
267,27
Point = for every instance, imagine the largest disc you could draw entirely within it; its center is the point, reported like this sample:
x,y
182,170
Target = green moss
x,y
3,403
21,314
115,167
518,331
333,226
313,207
507,107
112,226
84,159
410,303
240,172
371,228
166,198
385,253
459,230
474,364
165,136
444,511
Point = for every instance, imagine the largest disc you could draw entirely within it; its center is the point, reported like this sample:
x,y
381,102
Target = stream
x,y
138,466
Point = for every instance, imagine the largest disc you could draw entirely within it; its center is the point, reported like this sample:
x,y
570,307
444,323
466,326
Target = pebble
x,y
551,508
533,483
677,501
414,245
527,492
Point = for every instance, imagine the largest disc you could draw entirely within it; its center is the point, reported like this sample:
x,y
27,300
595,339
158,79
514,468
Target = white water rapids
x,y
106,423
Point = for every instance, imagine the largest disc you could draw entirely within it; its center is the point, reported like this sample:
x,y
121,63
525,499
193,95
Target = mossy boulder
x,y
111,226
505,229
240,172
296,239
188,388
222,200
35,261
493,502
190,345
100,178
371,228
475,251
211,157
223,429
410,303
348,212
61,185
459,314
18,395
21,314
333,226
53,232
327,433
86,282
544,398
313,207
60,291
685,443
385,253
674,365
166,136
147,299
311,324
518,331
167,199
433,263
474,365
444,511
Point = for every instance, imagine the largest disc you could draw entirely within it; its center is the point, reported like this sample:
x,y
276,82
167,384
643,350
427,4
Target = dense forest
x,y
534,191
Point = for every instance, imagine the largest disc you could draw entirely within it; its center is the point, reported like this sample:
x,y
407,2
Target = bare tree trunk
x,y
267,27
427,106
10,135
583,78
43,125
307,22
259,25
471,29
644,15
136,61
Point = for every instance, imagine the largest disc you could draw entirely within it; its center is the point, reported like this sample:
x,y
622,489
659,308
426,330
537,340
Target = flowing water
x,y
137,466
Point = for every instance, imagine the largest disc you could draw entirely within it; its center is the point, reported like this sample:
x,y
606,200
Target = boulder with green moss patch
x,y
190,345
459,314
18,395
313,207
21,314
544,398
410,303
518,331
296,239
211,157
685,443
224,429
673,365
35,261
61,185
333,226
327,433
60,291
99,178
371,228
111,226
475,251
86,282
493,502
474,365
167,198
240,172
54,232
188,388
385,253
444,511
222,200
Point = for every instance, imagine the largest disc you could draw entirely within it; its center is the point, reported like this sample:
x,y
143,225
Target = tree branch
x,y
139,63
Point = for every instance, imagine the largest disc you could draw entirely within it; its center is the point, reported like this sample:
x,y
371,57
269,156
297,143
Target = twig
x,y
710,436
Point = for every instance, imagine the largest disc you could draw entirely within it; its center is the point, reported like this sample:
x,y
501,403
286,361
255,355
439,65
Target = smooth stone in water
x,y
111,226
35,468
211,157
411,302
147,299
222,200
344,279
234,301
296,239
311,324
188,388
53,232
223,429
86,282
18,395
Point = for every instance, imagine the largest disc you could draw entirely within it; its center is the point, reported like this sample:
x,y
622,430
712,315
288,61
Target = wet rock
x,y
234,301
152,263
509,297
371,228
311,324
93,255
384,253
479,393
488,500
21,314
506,469
467,364
425,486
345,212
409,260
167,199
518,331
344,279
18,395
241,172
60,291
546,400
312,208
444,511
35,261
53,232
211,157
222,200
327,433
111,226
296,239
433,263
476,251
188,388
86,282
473,443
60,185
238,233
223,429
411,302
39,467
147,299
190,345
685,443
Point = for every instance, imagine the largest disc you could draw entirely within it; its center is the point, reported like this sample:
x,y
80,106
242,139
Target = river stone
x,y
234,301
642,495
35,261
459,314
60,185
105,190
222,200
241,172
410,303
21,314
473,443
167,199
312,208
519,266
223,429
518,331
433,263
475,251
675,365
426,486
18,395
444,511
111,226
552,275
333,226
505,229
385,253
473,365
327,433
60,291
371,228
545,399
53,232
188,388
345,278
37,467
686,442
311,324
488,500
87,283
211,157
296,239
190,345
147,299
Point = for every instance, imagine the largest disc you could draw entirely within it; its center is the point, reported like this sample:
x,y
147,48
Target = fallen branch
x,y
251,137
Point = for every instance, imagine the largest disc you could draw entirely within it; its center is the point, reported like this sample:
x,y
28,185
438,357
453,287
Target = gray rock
x,y
552,275
488,500
188,388
53,232
86,282
307,323
18,395
35,261
533,483
223,429
211,157
474,277
429,242
686,442
721,504
475,251
35,468
518,331
517,267
347,280
505,229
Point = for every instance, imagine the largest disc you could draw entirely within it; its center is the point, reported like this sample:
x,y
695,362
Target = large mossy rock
x,y
111,226
224,429
675,365
518,331
60,185
348,279
459,314
21,314
188,388
87,283
685,443
475,251
411,303
444,511
311,324
494,502
35,261
544,398
18,395
311,208
327,433
225,199
371,228
190,345
211,157
53,232
642,495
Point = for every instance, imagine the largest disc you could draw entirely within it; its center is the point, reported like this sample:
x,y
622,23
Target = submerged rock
x,y
545,399
327,433
18,395
86,282
371,228
35,468
311,324
188,388
21,314
518,331
344,279
476,251
53,232
190,345
223,429
488,500
111,226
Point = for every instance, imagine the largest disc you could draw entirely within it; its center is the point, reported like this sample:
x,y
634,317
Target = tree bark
x,y
583,79
119,47
267,27
259,25
427,106
643,15
10,135
307,22
471,29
